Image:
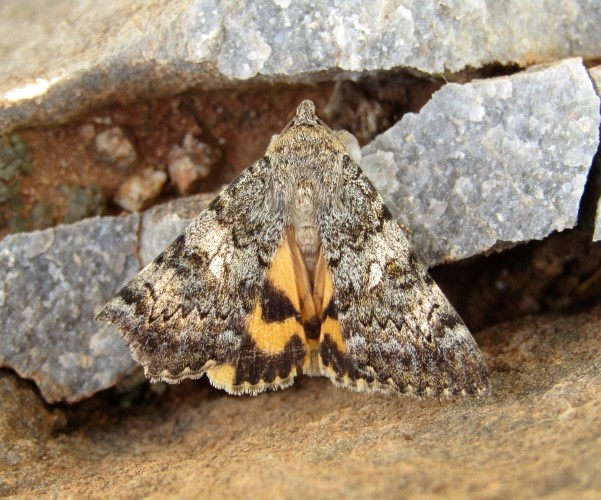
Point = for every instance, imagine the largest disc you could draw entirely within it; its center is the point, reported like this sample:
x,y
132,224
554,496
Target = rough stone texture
x,y
53,284
60,57
496,160
596,77
26,424
537,435
162,224
82,202
55,281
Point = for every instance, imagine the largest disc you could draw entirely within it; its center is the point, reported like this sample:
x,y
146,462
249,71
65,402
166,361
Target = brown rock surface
x,y
26,425
538,434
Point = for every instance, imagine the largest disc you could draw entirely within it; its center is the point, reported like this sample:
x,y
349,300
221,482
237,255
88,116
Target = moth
x,y
297,267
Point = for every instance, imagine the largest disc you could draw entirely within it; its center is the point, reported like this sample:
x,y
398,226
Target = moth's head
x,y
305,119
306,127
305,114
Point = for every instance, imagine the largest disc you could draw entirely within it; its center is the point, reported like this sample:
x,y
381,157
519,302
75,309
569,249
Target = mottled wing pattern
x,y
275,346
385,324
204,304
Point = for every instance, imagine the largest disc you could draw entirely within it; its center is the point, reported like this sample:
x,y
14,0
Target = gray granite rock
x,y
60,57
52,284
162,224
596,77
492,161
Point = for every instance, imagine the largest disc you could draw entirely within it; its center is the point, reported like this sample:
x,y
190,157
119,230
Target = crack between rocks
x,y
590,196
139,241
597,90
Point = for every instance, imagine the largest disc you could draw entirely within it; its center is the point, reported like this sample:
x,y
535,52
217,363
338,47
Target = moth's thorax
x,y
306,168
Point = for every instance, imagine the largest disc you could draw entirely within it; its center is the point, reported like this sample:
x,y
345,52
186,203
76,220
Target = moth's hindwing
x,y
333,355
386,325
275,348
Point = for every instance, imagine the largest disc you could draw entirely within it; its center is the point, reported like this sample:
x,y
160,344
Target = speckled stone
x,y
596,77
497,160
53,284
60,58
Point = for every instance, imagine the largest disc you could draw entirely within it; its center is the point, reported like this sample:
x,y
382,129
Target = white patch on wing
x,y
216,266
375,275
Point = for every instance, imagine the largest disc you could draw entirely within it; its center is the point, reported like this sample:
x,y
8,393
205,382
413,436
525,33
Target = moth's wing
x,y
207,303
385,323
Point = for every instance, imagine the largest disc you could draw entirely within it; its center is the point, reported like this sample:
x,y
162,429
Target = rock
x,y
17,223
4,193
53,284
55,58
113,147
596,77
88,132
490,161
55,281
190,163
163,223
140,189
12,196
15,161
595,74
26,426
537,435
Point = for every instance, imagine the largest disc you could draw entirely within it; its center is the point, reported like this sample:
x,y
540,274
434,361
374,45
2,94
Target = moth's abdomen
x,y
307,240
303,217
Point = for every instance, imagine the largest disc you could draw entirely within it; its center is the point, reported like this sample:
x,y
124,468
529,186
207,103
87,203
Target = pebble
x,y
113,147
139,190
190,163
